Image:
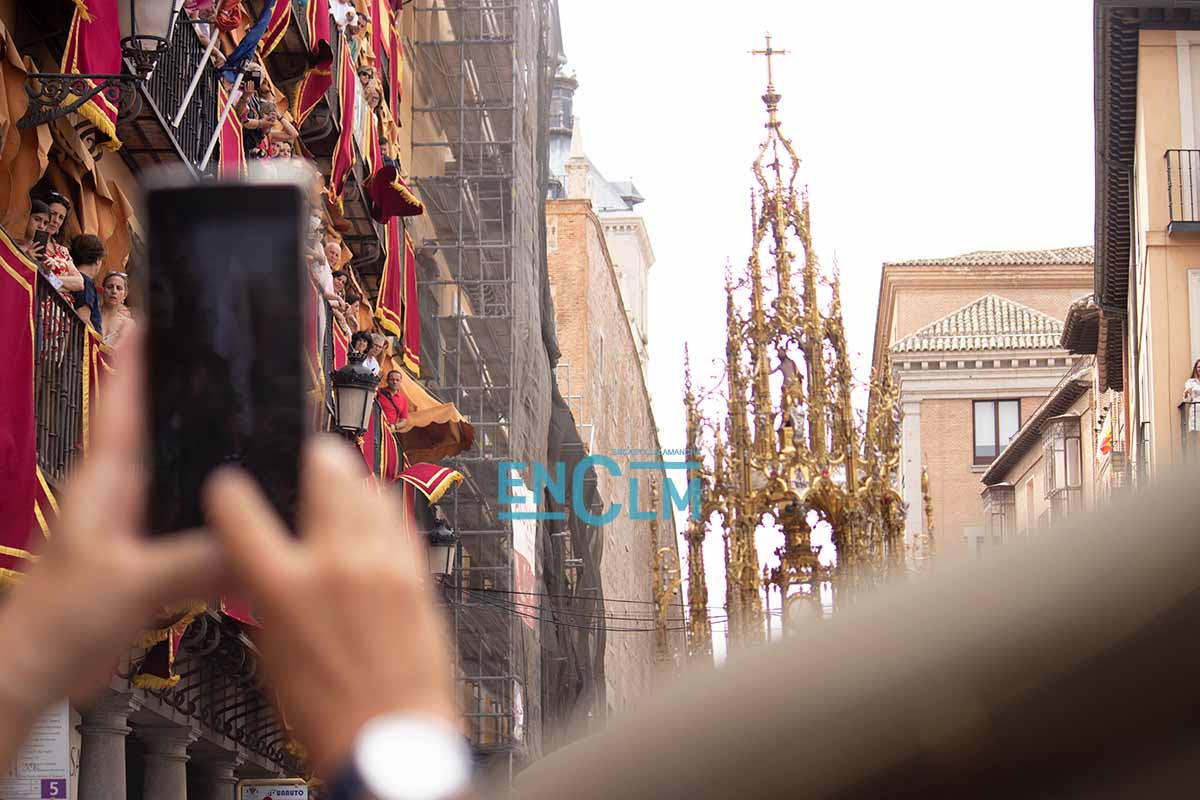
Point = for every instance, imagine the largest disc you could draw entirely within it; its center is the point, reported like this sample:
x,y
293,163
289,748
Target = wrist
x,y
402,756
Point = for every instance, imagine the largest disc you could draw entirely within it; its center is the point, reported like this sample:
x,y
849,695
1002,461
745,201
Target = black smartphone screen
x,y
225,369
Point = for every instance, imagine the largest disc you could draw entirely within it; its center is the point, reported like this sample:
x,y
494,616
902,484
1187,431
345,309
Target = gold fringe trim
x,y
142,681
406,193
105,125
153,637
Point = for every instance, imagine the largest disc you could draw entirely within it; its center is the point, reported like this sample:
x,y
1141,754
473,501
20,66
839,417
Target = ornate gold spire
x,y
808,458
699,626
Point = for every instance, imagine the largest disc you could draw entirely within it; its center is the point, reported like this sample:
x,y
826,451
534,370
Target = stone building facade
x,y
975,343
601,375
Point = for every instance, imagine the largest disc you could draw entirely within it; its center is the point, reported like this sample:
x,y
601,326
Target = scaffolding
x,y
479,163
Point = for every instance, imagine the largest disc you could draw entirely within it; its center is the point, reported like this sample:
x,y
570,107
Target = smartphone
x,y
41,237
225,374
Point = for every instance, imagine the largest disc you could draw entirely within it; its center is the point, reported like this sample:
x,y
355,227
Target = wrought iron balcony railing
x,y
1183,191
58,382
165,91
1189,429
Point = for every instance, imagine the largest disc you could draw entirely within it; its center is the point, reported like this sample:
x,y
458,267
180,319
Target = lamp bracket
x,y
48,92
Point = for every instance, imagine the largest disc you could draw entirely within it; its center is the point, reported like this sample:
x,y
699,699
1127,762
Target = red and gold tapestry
x,y
341,347
431,480
96,367
380,450
412,312
343,154
281,17
94,47
21,490
319,77
389,306
232,163
395,64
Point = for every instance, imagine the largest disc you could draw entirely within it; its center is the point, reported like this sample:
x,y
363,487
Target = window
x,y
996,422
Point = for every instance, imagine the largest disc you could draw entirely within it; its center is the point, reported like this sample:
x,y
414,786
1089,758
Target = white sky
x,y
927,128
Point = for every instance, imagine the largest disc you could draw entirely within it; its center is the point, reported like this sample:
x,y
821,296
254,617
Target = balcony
x,y
1183,191
58,382
1189,430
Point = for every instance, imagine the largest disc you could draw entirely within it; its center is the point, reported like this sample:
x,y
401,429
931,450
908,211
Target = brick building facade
x,y
975,344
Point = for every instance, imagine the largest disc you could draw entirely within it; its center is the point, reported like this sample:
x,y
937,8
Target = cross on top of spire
x,y
771,98
770,52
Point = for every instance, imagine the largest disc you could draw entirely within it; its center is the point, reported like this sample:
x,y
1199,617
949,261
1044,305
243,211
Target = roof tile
x,y
990,323
1004,258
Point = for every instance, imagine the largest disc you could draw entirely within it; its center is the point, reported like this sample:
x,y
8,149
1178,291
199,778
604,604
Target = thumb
x,y
181,567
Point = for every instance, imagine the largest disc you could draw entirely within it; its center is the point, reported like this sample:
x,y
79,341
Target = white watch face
x,y
404,757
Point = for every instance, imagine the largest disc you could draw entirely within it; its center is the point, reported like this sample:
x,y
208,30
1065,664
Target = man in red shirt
x,y
394,403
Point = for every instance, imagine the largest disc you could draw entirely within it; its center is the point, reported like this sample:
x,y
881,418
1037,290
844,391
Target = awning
x,y
431,480
438,429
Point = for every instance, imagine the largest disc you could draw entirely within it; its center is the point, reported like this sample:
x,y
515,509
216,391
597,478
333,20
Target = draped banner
x,y
343,154
431,480
378,34
232,163
380,450
396,65
389,305
96,367
157,669
319,77
22,488
94,46
412,312
341,347
281,17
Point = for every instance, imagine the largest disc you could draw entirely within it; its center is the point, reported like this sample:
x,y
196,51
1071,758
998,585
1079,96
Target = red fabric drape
x,y
343,154
21,489
396,65
412,312
319,77
281,17
232,164
94,46
389,305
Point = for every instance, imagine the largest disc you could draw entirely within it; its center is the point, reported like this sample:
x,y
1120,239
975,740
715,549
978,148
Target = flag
x,y
94,46
319,77
24,495
248,46
431,480
395,65
343,154
378,21
412,315
1106,437
281,17
232,163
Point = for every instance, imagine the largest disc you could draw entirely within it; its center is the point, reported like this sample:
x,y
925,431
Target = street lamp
x,y
353,397
145,29
442,543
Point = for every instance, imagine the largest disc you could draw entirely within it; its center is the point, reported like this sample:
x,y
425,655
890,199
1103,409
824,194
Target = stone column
x,y
217,778
102,748
166,758
911,463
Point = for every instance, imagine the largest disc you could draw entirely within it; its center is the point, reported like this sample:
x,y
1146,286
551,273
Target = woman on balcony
x,y
57,258
116,318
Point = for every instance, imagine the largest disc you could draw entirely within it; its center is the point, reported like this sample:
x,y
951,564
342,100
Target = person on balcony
x,y
258,113
57,259
333,254
394,404
378,345
1191,396
39,220
87,251
351,312
340,279
116,318
360,343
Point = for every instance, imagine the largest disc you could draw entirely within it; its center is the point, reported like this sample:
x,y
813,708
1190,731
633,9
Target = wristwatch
x,y
405,757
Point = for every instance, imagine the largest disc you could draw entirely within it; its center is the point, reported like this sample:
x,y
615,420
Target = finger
x,y
119,429
257,545
335,498
182,567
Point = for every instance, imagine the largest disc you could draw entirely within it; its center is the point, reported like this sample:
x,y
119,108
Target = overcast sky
x,y
927,128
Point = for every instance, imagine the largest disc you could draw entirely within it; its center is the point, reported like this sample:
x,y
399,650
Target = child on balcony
x,y
1191,396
